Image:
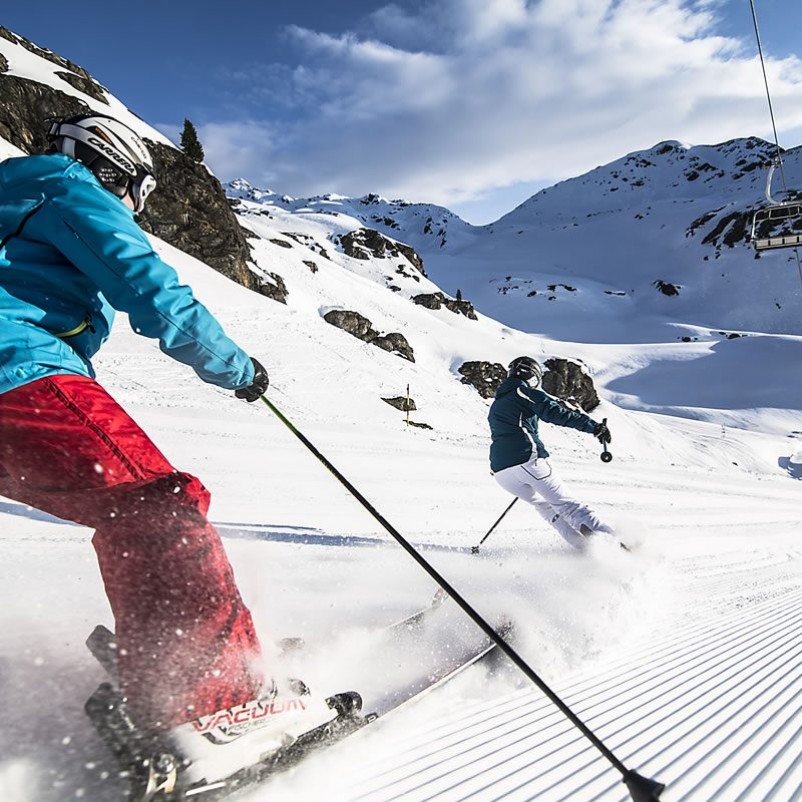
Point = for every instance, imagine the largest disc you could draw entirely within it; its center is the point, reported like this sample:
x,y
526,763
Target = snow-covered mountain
x,y
424,226
649,253
670,656
661,233
651,240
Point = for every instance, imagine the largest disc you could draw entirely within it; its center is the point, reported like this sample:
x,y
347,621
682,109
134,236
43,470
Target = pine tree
x,y
459,295
190,143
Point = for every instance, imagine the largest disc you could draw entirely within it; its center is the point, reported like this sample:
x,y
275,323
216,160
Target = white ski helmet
x,y
525,368
112,151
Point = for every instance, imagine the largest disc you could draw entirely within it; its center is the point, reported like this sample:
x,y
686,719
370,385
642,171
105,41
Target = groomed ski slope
x,y
685,660
684,657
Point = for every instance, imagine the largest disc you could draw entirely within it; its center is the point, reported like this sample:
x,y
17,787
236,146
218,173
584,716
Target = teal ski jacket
x,y
513,418
70,254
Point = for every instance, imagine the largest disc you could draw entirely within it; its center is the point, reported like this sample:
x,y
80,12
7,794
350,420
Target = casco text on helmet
x,y
114,153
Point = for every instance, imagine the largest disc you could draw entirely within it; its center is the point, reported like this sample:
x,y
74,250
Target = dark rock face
x,y
188,209
567,381
666,288
461,308
436,300
563,379
360,327
484,376
86,85
413,257
730,230
355,324
395,343
401,402
366,242
275,288
429,300
24,107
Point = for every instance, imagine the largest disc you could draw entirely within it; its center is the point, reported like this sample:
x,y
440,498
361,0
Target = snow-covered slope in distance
x,y
600,243
672,214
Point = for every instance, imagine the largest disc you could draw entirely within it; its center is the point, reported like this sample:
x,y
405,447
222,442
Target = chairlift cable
x,y
771,113
768,93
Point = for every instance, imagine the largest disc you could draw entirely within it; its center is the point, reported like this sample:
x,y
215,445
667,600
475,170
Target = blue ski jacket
x,y
70,254
513,418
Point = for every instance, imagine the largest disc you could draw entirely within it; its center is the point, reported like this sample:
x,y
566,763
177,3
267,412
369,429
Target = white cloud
x,y
464,96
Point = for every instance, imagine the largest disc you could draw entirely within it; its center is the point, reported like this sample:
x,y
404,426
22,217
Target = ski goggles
x,y
121,184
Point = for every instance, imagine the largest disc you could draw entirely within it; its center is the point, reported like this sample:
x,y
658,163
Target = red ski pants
x,y
186,645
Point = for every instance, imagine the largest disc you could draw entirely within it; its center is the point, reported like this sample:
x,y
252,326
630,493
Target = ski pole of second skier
x,y
475,549
641,789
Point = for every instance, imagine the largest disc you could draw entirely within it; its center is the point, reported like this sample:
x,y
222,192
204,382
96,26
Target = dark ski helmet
x,y
112,151
526,368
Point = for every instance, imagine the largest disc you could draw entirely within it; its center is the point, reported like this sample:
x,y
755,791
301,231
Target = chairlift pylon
x,y
778,225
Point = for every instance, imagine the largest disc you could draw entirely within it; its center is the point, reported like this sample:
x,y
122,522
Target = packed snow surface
x,y
683,656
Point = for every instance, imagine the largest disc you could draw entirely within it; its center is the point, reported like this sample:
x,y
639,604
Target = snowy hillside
x,y
656,238
685,655
648,253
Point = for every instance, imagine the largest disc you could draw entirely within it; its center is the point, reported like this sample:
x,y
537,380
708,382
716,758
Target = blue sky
x,y
474,104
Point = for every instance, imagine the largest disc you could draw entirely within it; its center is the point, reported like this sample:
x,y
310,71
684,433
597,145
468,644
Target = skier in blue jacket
x,y
518,458
70,254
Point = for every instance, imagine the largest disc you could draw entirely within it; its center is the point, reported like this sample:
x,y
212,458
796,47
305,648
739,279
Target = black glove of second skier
x,y
602,433
258,387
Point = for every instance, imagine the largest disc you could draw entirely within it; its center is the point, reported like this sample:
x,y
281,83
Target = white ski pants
x,y
536,482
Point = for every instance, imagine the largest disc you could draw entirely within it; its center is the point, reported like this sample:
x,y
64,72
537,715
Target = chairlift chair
x,y
778,225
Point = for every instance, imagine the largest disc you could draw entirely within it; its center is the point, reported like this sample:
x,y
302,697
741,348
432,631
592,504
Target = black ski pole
x,y
605,456
475,549
641,789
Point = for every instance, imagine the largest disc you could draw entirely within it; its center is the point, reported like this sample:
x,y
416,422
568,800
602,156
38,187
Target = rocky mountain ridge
x,y
424,226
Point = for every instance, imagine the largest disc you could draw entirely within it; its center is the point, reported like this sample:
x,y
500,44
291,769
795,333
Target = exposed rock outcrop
x,y
563,378
567,380
274,287
401,402
484,376
189,210
667,288
437,300
360,327
362,243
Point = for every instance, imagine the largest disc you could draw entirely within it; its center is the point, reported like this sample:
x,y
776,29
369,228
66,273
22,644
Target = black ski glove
x,y
258,387
602,433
